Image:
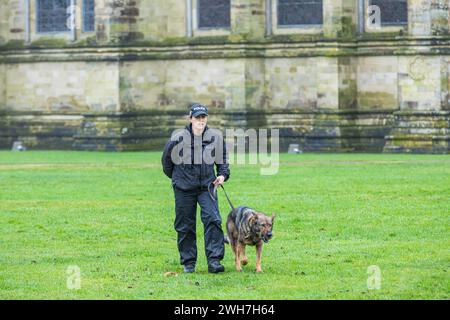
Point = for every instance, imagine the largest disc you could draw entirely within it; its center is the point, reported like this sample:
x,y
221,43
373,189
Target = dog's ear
x,y
273,217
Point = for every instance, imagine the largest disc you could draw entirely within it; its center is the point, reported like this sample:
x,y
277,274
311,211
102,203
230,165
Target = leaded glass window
x,y
88,15
213,13
52,15
393,12
299,12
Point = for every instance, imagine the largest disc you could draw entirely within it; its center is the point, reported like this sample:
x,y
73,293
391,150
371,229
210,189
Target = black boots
x,y
189,268
215,267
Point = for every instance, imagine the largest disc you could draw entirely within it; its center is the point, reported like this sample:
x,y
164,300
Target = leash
x,y
213,195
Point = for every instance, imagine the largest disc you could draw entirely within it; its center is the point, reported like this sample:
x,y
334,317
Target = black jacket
x,y
187,174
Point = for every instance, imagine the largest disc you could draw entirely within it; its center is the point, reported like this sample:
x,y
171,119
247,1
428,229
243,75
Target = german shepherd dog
x,y
248,227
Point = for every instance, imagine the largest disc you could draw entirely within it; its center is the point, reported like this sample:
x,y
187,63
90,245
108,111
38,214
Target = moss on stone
x,y
13,44
237,38
348,29
290,38
85,42
48,42
377,100
209,40
347,96
374,36
412,141
173,41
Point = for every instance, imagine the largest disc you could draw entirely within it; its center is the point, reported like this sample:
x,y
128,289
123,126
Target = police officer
x,y
188,159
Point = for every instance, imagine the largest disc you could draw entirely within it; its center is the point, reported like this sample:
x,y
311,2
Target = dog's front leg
x,y
238,257
244,256
259,246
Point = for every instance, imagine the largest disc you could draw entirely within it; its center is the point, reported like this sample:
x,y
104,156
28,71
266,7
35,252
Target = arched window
x,y
52,15
213,13
88,15
299,12
393,12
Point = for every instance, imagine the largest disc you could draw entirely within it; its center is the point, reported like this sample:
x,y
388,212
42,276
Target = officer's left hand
x,y
219,180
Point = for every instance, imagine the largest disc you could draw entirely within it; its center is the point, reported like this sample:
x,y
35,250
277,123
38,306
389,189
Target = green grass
x,y
111,214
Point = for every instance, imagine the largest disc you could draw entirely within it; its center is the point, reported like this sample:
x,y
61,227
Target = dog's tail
x,y
226,239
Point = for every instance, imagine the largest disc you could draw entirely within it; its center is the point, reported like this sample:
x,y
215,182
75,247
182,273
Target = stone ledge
x,y
288,39
413,137
321,130
422,113
221,51
14,113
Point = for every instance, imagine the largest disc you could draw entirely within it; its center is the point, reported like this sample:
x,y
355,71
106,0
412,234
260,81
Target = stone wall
x,y
4,22
131,23
2,85
302,83
74,87
127,84
12,21
169,84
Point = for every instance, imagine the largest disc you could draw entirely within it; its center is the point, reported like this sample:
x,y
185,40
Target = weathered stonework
x,y
340,19
378,82
126,85
248,19
302,83
2,84
420,132
73,87
149,85
39,130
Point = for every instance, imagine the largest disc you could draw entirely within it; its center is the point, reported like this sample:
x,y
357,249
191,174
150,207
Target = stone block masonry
x,y
126,85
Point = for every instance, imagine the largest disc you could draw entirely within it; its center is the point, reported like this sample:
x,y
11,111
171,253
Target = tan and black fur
x,y
248,227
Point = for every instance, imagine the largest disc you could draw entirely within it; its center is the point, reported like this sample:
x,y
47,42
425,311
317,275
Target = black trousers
x,y
185,225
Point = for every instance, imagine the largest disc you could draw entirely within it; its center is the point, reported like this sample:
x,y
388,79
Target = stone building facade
x,y
332,75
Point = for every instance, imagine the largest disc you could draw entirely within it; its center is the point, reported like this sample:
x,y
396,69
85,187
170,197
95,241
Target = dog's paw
x,y
258,270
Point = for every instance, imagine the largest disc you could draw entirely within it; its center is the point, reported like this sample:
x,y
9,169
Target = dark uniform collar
x,y
189,128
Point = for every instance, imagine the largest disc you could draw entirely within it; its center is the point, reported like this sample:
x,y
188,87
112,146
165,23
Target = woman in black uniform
x,y
189,159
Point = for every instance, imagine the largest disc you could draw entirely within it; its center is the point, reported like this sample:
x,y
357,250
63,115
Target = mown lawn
x,y
111,215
